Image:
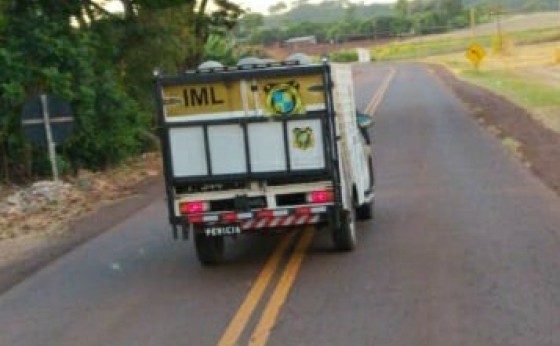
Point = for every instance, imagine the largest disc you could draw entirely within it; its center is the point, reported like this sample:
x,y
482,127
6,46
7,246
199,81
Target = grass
x,y
540,98
526,92
515,79
526,71
421,47
443,44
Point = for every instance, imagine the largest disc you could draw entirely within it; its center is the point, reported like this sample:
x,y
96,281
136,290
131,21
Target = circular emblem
x,y
283,99
303,138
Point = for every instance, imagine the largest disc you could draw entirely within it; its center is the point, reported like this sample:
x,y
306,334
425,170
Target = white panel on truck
x,y
306,144
266,146
187,151
227,149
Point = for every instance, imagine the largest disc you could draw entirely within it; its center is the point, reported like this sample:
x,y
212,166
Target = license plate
x,y
215,231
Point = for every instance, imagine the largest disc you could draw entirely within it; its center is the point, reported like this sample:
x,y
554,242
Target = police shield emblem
x,y
303,138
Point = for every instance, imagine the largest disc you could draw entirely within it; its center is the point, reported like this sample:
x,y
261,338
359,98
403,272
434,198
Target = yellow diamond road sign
x,y
475,53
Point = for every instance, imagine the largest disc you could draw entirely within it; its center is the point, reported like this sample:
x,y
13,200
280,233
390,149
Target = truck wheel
x,y
209,250
344,237
365,211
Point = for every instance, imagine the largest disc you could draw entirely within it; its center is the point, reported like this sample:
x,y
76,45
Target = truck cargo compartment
x,y
248,148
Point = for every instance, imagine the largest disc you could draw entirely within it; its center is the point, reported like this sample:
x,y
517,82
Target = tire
x,y
365,211
344,237
209,250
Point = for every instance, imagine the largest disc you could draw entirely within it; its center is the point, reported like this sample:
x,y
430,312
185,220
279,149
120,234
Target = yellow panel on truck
x,y
258,96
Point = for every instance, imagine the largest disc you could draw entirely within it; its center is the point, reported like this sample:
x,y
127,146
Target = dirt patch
x,y
537,145
36,230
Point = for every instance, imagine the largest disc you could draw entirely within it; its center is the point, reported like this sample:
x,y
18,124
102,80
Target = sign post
x,y
51,145
47,120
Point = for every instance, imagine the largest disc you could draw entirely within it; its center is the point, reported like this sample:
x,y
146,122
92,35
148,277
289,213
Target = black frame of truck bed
x,y
330,172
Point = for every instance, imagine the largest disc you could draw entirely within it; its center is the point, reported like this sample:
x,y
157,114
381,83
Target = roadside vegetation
x,y
102,63
344,56
427,46
341,21
528,75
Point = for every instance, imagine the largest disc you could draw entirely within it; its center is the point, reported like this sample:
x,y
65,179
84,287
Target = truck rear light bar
x,y
229,217
303,211
202,218
244,216
232,217
194,207
263,214
196,218
320,196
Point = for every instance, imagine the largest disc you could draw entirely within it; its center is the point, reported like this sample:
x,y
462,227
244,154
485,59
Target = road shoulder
x,y
22,256
537,146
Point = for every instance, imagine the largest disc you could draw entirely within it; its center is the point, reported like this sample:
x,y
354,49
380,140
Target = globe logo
x,y
283,101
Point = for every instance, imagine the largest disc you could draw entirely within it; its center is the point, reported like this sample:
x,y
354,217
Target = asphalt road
x,y
464,250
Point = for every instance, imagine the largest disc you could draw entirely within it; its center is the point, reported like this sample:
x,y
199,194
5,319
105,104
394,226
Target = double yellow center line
x,y
380,93
279,295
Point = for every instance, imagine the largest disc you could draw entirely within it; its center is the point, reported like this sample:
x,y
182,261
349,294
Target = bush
x,y
43,56
344,56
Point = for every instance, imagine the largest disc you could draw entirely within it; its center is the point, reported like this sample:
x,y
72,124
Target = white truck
x,y
261,148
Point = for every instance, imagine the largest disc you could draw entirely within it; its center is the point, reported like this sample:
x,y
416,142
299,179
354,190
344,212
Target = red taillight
x,y
194,207
322,196
229,217
303,211
196,218
265,214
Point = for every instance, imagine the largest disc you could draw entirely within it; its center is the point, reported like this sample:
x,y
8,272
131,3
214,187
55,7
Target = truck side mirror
x,y
364,120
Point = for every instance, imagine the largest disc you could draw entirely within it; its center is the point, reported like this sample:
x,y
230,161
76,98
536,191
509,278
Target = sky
x,y
262,6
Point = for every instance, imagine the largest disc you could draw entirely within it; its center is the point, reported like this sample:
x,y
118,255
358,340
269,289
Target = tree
x,y
101,62
350,14
220,21
252,20
278,7
266,37
402,8
219,49
248,24
451,8
299,3
3,19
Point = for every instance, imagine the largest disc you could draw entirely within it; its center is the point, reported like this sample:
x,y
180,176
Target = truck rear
x,y
260,149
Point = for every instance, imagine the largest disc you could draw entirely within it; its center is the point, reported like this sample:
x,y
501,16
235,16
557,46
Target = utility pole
x,y
473,22
499,28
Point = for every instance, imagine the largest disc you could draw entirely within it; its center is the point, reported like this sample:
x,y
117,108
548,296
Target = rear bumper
x,y
261,219
276,222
